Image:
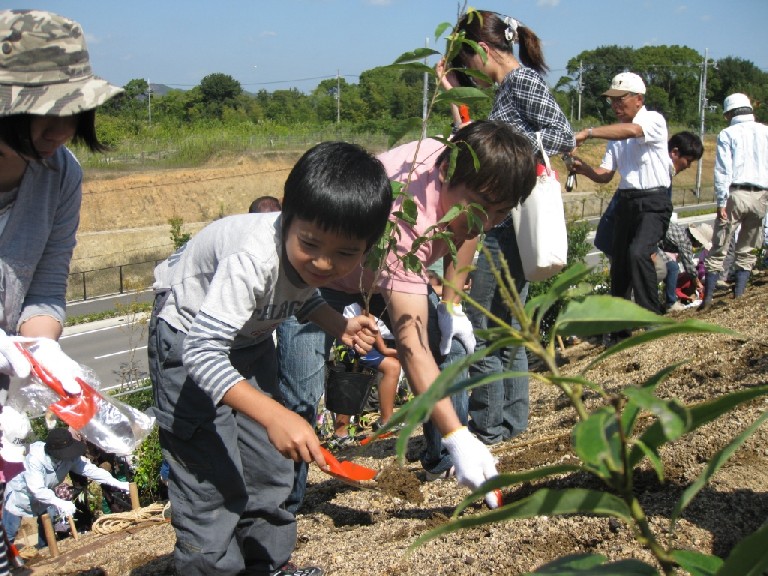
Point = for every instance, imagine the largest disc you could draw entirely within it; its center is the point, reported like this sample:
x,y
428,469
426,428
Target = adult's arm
x,y
408,313
619,131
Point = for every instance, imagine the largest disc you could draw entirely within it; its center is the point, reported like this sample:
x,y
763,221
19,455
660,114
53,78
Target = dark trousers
x,y
642,219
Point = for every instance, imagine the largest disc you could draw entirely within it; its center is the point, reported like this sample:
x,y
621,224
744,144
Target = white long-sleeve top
x,y
742,156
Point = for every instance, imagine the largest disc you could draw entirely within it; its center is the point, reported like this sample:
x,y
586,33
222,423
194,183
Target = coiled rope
x,y
109,523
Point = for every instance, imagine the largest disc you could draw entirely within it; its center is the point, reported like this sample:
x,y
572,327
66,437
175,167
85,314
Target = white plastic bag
x,y
106,422
542,238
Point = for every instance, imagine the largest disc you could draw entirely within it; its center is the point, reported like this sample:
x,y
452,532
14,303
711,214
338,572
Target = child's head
x,y
342,188
506,171
685,148
264,204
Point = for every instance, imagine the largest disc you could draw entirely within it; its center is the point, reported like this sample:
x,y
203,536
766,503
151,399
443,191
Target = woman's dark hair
x,y
688,144
489,27
342,188
15,132
506,160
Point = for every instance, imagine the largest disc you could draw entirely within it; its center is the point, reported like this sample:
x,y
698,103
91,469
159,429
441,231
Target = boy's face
x,y
495,212
320,256
680,162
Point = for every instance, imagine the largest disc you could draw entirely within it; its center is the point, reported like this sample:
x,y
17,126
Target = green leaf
x,y
631,410
418,54
655,459
600,314
464,95
597,443
413,67
581,564
669,328
697,563
544,502
713,465
510,479
749,557
672,415
442,27
701,413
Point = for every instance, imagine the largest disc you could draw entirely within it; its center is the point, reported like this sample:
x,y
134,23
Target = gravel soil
x,y
350,531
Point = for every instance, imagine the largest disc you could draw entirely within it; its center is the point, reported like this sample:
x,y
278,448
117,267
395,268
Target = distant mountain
x,y
161,89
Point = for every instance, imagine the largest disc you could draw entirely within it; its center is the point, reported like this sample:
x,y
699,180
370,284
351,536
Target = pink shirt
x,y
424,188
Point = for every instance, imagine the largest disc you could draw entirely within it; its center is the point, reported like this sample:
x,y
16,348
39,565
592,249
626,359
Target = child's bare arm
x,y
288,432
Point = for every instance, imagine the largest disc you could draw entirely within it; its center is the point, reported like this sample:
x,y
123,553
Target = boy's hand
x,y
294,438
360,334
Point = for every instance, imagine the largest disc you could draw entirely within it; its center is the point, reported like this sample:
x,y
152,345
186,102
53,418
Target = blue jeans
x,y
302,351
670,282
498,411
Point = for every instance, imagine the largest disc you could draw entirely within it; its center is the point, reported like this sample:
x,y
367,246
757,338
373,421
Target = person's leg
x,y
670,282
654,211
199,441
498,410
11,525
390,370
749,209
266,530
435,459
302,351
624,230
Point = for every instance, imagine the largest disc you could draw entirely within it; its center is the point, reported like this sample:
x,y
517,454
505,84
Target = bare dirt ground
x,y
349,531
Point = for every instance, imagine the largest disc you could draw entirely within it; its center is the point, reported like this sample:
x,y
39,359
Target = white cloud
x,y
268,34
681,8
379,2
548,3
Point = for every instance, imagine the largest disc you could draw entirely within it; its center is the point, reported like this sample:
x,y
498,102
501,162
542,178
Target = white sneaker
x,y
677,307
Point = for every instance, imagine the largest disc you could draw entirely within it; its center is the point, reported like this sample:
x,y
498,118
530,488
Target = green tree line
x,y
385,98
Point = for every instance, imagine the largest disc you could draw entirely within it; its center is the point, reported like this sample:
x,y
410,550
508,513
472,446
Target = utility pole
x,y
149,101
702,111
424,99
580,89
338,97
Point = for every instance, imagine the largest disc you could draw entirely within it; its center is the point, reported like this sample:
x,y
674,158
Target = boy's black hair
x,y
15,132
506,161
264,204
688,145
341,187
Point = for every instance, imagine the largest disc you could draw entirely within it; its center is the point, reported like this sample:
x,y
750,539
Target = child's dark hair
x,y
264,204
343,188
490,28
506,158
688,145
15,132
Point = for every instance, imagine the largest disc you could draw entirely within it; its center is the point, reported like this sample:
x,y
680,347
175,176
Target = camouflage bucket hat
x,y
44,66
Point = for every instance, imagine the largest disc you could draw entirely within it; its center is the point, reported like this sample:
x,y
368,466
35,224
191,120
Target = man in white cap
x,y
637,149
741,188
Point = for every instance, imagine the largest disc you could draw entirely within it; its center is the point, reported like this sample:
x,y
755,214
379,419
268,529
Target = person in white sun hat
x,y
48,97
637,149
741,188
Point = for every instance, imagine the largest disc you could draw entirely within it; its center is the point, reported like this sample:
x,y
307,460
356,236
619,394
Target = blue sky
x,y
280,44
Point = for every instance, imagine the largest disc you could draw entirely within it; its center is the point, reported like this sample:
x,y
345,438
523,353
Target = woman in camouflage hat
x,y
48,97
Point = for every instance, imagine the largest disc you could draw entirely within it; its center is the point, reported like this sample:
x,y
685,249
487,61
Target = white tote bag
x,y
542,238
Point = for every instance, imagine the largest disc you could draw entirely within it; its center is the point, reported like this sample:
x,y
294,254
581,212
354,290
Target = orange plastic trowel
x,y
348,472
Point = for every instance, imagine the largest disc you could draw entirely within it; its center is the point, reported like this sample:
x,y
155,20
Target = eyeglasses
x,y
617,99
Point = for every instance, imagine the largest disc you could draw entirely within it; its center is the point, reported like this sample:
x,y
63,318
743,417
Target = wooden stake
x,y
50,535
73,528
133,490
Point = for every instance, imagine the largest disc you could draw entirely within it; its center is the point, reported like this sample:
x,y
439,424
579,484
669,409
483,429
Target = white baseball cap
x,y
625,83
736,100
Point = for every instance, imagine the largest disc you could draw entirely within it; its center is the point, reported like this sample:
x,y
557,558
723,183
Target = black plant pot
x,y
347,391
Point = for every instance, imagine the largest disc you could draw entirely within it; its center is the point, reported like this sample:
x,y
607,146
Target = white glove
x,y
14,425
454,324
12,361
124,486
472,460
50,355
66,508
